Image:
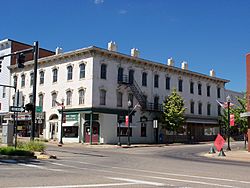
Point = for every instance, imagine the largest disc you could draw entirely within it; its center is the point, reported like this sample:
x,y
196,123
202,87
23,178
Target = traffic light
x,y
29,107
20,59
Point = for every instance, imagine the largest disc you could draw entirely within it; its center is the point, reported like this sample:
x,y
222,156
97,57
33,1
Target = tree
x,y
173,112
240,122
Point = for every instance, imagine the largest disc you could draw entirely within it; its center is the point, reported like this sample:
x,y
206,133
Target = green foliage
x,y
31,146
173,112
237,110
15,152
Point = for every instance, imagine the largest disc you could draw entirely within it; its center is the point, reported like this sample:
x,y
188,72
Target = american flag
x,y
224,104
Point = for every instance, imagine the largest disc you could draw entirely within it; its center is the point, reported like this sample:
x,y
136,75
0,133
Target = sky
x,y
207,34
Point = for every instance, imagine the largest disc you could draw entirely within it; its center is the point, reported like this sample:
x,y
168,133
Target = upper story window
x,y
208,91
23,100
31,79
70,72
120,74
167,83
180,85
119,99
200,108
103,71
192,107
208,109
4,92
40,96
144,79
156,80
41,77
15,81
82,70
131,98
31,98
191,87
55,74
218,92
219,110
199,88
23,80
69,98
81,96
53,102
156,102
102,97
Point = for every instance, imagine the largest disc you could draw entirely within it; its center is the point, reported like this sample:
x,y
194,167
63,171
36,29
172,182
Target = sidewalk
x,y
235,154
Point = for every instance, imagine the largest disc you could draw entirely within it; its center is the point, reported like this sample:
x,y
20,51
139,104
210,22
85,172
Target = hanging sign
x,y
231,119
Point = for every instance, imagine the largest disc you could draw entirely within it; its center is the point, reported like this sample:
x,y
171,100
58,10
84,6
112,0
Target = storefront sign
x,y
71,117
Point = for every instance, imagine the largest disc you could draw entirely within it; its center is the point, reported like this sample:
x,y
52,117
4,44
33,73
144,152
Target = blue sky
x,y
211,34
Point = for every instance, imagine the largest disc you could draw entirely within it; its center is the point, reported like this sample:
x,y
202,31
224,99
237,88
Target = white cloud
x,y
97,2
122,11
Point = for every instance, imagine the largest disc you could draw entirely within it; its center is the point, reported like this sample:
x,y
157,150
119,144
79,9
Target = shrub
x,y
15,152
31,146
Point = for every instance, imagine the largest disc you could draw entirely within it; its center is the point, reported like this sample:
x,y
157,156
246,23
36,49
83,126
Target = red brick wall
x,y
16,46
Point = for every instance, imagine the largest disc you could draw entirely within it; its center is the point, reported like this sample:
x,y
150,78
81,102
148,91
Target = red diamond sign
x,y
219,142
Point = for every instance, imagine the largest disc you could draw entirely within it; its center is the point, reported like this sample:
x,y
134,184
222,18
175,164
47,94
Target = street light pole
x,y
61,132
228,127
129,105
33,117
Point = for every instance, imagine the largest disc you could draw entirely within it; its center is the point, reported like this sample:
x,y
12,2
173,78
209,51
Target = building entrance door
x,y
95,132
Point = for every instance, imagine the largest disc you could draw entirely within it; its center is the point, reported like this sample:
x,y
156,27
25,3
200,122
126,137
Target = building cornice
x,y
93,51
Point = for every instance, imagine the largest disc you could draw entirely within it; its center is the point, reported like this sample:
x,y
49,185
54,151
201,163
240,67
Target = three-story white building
x,y
96,85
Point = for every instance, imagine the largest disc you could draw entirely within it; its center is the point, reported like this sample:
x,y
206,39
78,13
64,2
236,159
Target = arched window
x,y
54,95
41,77
82,70
69,98
81,96
31,79
102,97
40,96
70,72
15,80
23,80
55,72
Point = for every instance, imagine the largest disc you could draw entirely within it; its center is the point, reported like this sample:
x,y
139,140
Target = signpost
x,y
17,109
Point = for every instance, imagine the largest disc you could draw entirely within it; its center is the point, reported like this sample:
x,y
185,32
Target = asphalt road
x,y
169,166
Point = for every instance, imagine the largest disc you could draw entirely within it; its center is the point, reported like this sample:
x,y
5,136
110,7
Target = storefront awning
x,y
70,124
202,121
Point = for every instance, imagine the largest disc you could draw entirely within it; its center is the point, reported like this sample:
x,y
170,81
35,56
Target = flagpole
x,y
228,127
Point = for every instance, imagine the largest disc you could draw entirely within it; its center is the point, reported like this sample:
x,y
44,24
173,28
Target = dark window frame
x,y
104,71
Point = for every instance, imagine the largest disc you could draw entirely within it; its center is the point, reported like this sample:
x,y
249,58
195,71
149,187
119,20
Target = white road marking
x,y
166,173
138,181
40,167
80,186
191,181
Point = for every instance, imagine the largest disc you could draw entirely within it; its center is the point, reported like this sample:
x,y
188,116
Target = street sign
x,y
219,142
39,109
17,109
39,115
155,124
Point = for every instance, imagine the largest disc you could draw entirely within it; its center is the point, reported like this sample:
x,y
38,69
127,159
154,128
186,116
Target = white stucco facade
x,y
105,116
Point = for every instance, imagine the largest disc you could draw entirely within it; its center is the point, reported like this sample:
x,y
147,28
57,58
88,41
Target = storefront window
x,y
70,132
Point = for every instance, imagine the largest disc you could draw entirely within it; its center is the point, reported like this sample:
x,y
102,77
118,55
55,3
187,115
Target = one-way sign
x,y
17,109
